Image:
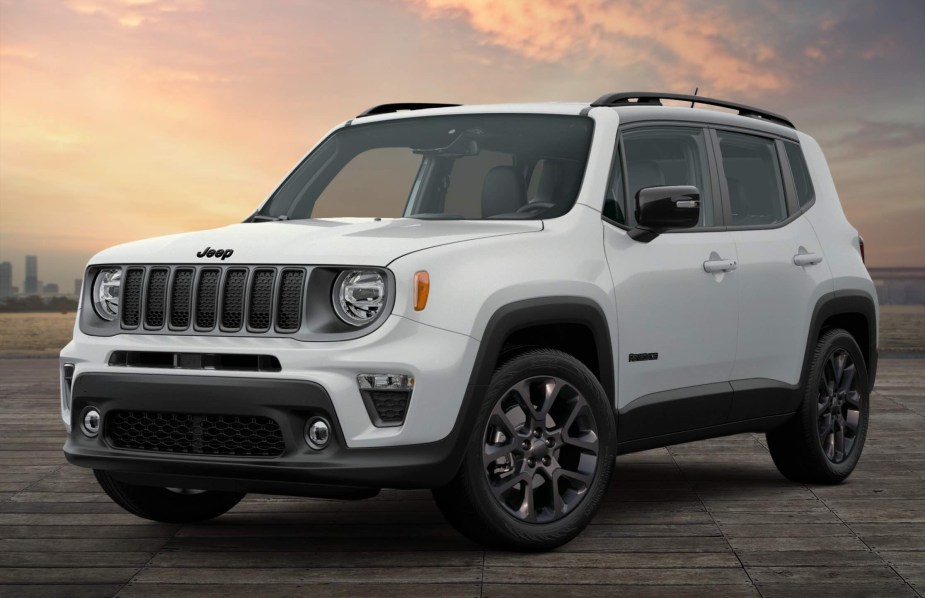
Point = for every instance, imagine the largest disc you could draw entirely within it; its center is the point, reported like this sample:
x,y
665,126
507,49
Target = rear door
x,y
782,271
677,321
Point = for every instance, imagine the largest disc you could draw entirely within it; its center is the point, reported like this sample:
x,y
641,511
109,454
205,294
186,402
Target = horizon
x,y
127,119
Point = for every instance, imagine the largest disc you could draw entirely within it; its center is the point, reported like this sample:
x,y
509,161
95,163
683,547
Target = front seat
x,y
503,191
643,174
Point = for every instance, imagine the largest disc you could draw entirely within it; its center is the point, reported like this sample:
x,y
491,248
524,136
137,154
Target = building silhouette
x,y
31,284
6,280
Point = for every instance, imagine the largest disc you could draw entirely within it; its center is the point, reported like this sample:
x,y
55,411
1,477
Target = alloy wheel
x,y
838,406
540,449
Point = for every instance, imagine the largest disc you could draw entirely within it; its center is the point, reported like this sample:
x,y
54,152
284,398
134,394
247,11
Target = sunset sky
x,y
125,119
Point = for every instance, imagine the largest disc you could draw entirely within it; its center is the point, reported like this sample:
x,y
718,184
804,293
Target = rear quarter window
x,y
801,178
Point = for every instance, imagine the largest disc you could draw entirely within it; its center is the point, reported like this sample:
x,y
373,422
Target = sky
x,y
126,119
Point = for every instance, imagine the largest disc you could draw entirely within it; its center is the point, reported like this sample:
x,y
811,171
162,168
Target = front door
x,y
676,296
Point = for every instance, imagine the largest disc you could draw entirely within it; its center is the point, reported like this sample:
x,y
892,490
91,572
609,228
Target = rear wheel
x,y
823,442
540,459
167,505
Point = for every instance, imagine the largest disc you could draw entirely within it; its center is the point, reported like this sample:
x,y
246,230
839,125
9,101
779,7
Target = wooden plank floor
x,y
710,518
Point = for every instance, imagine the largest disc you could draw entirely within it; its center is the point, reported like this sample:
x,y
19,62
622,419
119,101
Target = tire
x,y
167,505
808,448
564,459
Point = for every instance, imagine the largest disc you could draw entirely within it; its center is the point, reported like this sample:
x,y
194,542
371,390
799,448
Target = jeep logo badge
x,y
224,254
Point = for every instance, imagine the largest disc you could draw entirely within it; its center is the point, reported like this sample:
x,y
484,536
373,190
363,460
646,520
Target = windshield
x,y
501,166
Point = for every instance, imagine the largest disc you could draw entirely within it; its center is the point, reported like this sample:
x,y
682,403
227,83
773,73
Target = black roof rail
x,y
387,108
652,98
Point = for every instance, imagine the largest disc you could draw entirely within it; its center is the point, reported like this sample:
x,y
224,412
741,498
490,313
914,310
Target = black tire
x,y
164,505
572,448
806,449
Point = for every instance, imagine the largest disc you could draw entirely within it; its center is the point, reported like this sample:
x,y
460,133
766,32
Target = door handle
x,y
807,259
714,266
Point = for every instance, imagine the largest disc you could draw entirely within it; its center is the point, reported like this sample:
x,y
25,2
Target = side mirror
x,y
660,209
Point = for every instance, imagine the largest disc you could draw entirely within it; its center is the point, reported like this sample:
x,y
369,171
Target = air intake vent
x,y
181,298
261,300
231,435
156,303
289,310
207,299
131,297
233,299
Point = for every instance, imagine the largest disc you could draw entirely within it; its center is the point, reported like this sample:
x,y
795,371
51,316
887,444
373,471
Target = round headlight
x,y
106,291
359,296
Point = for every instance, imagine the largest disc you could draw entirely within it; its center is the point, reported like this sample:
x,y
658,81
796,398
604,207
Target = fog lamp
x,y
317,433
90,422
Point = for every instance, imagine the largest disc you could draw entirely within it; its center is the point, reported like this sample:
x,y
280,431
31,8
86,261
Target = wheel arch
x,y
854,311
523,323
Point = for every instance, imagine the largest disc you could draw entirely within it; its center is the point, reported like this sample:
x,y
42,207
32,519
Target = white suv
x,y
489,301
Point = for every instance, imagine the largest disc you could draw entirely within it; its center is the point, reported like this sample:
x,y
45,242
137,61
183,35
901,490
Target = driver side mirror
x,y
660,209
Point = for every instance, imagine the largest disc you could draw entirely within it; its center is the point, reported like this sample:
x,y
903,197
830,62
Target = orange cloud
x,y
704,47
133,13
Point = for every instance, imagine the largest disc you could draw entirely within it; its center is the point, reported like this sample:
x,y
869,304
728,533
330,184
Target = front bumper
x,y
440,361
290,403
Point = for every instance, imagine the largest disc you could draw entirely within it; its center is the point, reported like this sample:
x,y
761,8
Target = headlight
x,y
106,291
359,296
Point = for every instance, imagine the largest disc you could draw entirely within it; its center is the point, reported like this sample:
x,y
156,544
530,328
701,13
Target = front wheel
x,y
167,505
824,440
540,459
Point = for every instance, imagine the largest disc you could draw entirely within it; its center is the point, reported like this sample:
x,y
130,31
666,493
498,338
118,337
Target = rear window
x,y
801,179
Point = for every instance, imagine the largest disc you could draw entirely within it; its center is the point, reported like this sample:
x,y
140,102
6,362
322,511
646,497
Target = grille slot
x,y
180,298
261,300
233,299
231,435
156,299
289,308
131,297
207,299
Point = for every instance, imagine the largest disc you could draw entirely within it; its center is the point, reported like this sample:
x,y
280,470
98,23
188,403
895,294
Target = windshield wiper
x,y
263,218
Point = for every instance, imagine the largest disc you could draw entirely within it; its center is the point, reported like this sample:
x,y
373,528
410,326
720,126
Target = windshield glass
x,y
473,166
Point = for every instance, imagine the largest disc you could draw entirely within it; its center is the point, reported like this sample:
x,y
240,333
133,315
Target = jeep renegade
x,y
492,302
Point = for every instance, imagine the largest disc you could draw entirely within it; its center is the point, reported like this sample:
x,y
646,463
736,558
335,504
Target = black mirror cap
x,y
660,209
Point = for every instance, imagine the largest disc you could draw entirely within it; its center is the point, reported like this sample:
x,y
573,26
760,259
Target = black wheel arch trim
x,y
844,303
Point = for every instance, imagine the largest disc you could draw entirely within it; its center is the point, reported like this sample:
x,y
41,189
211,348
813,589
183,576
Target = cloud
x,y
872,138
133,13
684,43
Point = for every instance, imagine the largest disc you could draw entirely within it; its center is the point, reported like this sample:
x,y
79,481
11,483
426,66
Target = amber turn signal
x,y
421,289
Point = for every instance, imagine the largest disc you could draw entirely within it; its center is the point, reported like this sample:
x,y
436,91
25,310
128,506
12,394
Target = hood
x,y
344,241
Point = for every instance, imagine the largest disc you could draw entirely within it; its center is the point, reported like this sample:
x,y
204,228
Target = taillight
x,y
861,245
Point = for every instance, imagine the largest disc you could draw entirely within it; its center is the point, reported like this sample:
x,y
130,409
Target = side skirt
x,y
761,424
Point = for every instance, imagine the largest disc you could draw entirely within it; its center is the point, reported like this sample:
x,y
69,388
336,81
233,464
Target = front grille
x,y
198,299
231,435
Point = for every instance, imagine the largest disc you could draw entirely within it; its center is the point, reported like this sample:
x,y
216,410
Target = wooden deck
x,y
711,518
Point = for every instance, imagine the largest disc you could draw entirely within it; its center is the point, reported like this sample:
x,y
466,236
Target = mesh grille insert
x,y
131,297
261,300
180,296
156,299
207,299
289,308
239,435
233,299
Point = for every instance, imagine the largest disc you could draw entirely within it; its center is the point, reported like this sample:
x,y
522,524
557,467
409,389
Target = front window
x,y
473,167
